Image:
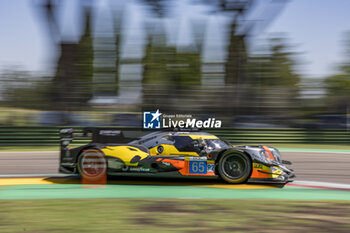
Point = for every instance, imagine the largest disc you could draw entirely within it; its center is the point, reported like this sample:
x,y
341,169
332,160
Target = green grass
x,y
169,215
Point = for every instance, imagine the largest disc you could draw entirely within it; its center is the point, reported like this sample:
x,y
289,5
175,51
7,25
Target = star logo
x,y
151,120
156,115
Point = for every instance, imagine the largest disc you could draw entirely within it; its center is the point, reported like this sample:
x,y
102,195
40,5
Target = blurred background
x,y
251,63
275,72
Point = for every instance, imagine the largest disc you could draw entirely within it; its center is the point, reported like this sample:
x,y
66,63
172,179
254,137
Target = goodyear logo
x,y
151,120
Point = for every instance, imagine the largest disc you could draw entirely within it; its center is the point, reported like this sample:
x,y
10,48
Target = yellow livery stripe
x,y
124,153
198,136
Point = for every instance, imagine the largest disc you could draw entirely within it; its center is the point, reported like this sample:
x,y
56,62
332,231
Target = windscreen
x,y
214,144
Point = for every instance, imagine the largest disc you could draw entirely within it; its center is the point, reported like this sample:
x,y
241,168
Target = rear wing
x,y
106,135
101,135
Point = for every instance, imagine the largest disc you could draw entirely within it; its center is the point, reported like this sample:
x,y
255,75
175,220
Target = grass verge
x,y
169,215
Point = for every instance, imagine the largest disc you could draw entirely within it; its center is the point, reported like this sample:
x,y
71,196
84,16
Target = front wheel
x,y
234,167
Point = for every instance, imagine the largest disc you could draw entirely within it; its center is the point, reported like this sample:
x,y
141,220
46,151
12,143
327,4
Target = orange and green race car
x,y
171,154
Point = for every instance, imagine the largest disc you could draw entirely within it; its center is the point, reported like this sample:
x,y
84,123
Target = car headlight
x,y
276,154
264,156
270,155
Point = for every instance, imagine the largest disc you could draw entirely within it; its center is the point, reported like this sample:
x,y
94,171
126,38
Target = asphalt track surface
x,y
309,166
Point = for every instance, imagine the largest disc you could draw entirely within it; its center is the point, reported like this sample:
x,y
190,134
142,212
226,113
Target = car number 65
x,y
198,167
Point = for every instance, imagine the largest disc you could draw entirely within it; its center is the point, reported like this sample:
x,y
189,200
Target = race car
x,y
173,153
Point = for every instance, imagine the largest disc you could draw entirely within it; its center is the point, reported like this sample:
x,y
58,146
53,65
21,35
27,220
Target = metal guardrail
x,y
49,136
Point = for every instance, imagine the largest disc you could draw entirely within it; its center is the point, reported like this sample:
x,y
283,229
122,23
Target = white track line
x,y
315,151
324,184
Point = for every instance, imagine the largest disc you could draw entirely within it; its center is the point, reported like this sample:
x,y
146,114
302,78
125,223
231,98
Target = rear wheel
x,y
92,164
234,167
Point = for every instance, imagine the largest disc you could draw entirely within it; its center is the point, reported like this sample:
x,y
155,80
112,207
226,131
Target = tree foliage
x,y
272,76
24,90
338,85
71,86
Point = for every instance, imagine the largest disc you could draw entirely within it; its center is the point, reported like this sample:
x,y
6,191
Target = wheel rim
x,y
234,166
93,163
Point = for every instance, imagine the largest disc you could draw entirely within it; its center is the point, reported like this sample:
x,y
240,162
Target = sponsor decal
x,y
109,132
139,169
157,120
211,167
258,166
196,158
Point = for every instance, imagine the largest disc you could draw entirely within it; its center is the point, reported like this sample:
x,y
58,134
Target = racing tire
x,y
92,165
234,167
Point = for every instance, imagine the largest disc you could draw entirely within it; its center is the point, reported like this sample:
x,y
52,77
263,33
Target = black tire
x,y
234,167
92,169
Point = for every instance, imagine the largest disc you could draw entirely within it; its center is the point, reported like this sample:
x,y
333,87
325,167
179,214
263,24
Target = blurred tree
x,y
72,84
243,24
273,76
236,58
21,89
166,71
117,31
157,7
277,67
155,62
235,65
338,85
338,91
237,53
107,49
166,74
164,65
85,56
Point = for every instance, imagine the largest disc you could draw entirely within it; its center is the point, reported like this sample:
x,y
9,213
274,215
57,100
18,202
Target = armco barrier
x,y
49,136
33,136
